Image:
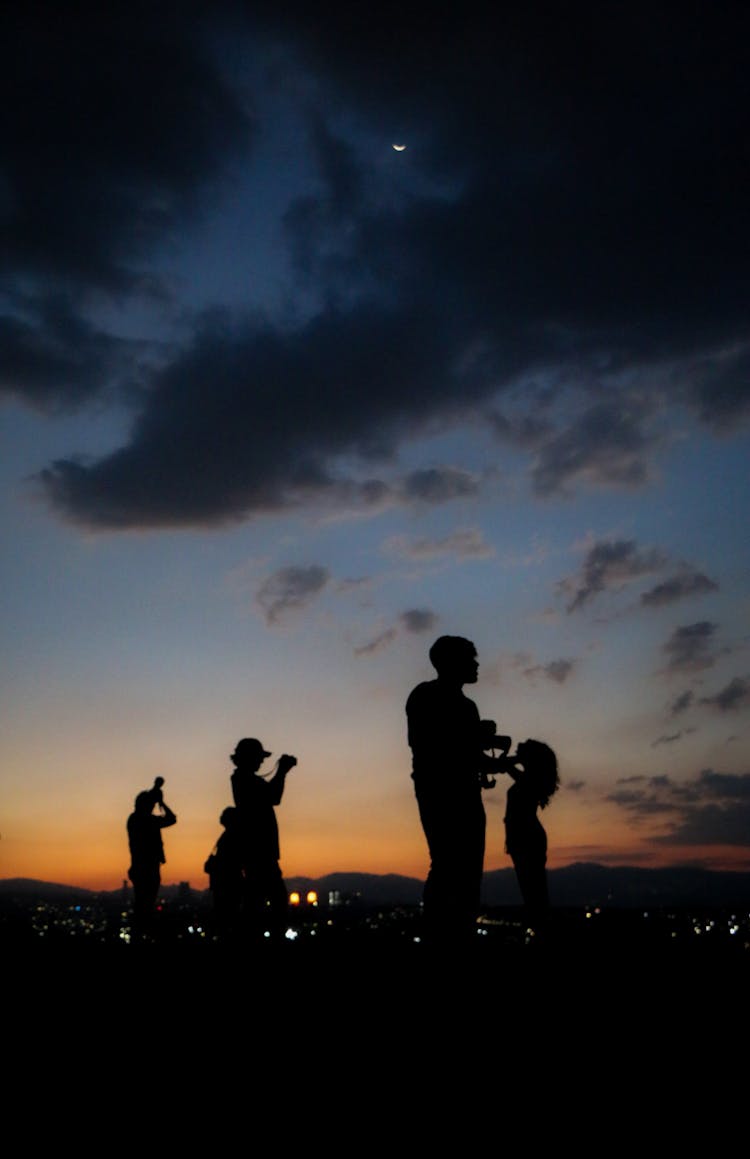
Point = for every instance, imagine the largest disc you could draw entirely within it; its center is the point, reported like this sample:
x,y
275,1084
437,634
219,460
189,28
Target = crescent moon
x,y
399,148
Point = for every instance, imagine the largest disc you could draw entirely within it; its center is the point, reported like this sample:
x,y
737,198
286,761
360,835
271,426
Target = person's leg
x,y
472,857
145,892
253,917
438,884
265,904
227,909
531,872
455,833
278,901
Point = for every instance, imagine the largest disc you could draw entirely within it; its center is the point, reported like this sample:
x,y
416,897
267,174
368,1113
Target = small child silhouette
x,y
533,768
226,880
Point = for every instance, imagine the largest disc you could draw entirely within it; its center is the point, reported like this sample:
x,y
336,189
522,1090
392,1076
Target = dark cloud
x,y
609,564
432,486
678,587
250,421
113,123
711,809
557,670
727,786
691,648
439,484
671,737
290,588
681,703
735,695
527,431
719,388
640,804
418,620
380,641
574,786
726,824
465,543
570,209
52,358
414,620
608,445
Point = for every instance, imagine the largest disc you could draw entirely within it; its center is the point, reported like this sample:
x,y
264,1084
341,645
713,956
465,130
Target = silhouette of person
x,y
225,877
147,852
449,769
255,799
533,768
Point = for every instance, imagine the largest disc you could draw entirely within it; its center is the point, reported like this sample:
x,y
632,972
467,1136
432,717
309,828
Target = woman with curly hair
x,y
533,768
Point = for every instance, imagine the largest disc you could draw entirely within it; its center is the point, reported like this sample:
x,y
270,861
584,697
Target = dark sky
x,y
282,403
574,207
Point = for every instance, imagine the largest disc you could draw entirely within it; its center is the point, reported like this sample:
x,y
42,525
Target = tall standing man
x,y
449,769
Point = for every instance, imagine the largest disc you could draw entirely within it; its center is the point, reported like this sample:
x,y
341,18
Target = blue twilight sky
x,y
281,404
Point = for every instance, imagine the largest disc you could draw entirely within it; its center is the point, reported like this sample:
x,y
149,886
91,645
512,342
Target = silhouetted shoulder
x,y
421,697
428,703
422,711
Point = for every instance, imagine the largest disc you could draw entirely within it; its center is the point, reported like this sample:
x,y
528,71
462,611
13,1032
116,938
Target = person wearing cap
x,y
255,799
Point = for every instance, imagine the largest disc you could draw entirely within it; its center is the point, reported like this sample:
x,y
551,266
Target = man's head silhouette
x,y
455,658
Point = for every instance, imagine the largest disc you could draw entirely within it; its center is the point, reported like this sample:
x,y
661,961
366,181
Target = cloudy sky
x,y
281,404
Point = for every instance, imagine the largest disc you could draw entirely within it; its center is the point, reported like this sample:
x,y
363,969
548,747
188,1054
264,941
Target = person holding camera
x,y
450,767
255,799
147,852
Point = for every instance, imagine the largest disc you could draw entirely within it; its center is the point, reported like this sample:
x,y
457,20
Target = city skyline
x,y
282,403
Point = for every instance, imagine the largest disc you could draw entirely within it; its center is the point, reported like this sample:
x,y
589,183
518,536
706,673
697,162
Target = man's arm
x,y
278,780
167,818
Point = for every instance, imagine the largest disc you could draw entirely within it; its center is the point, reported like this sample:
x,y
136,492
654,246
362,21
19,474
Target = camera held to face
x,y
490,743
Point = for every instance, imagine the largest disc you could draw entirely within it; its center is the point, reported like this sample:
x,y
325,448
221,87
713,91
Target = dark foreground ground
x,y
616,970
373,957
360,1037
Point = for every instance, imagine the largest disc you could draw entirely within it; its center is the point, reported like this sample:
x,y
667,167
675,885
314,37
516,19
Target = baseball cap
x,y
250,745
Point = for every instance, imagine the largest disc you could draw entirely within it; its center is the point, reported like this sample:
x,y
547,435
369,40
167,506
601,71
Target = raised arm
x,y
510,766
167,816
278,780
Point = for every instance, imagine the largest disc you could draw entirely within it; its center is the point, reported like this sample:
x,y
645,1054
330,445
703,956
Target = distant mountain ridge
x,y
583,883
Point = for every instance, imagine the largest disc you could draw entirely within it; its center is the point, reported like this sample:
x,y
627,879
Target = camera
x,y
490,740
